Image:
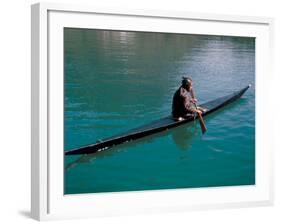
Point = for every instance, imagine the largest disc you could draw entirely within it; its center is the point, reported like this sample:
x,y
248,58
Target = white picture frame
x,y
48,201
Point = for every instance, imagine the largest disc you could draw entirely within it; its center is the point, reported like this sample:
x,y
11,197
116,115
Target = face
x,y
188,86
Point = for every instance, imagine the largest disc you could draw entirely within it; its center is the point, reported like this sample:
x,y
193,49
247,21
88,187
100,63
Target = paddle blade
x,y
202,124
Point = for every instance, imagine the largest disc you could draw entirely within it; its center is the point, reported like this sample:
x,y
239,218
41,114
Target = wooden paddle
x,y
201,121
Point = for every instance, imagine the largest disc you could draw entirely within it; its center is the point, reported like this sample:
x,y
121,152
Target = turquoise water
x,y
115,81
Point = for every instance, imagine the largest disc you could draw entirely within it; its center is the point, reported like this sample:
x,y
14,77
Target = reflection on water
x,y
183,136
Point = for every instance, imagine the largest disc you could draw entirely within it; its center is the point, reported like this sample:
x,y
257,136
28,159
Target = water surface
x,y
115,81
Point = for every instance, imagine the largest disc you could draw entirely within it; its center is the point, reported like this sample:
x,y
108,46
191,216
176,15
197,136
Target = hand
x,y
197,111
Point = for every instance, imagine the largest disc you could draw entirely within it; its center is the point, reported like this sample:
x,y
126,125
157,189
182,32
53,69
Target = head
x,y
186,83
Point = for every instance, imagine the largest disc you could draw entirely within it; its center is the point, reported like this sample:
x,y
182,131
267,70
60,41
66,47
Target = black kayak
x,y
157,126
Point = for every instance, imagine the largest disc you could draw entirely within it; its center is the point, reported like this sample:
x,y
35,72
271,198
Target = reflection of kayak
x,y
155,126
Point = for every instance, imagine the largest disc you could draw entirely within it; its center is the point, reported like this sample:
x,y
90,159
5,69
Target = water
x,y
115,81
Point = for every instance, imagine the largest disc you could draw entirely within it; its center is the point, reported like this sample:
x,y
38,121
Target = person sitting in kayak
x,y
184,101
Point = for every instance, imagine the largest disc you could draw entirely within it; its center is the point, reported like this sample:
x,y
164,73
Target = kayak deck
x,y
155,126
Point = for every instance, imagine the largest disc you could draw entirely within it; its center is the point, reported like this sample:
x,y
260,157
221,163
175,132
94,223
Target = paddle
x,y
201,121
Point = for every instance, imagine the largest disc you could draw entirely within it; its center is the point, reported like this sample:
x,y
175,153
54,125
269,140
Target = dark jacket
x,y
182,104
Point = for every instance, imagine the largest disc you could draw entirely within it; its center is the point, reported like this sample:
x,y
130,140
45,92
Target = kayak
x,y
157,126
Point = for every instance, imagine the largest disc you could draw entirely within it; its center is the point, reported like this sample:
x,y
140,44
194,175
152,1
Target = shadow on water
x,y
182,136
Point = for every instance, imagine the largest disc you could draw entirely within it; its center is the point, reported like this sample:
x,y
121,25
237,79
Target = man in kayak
x,y
184,101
